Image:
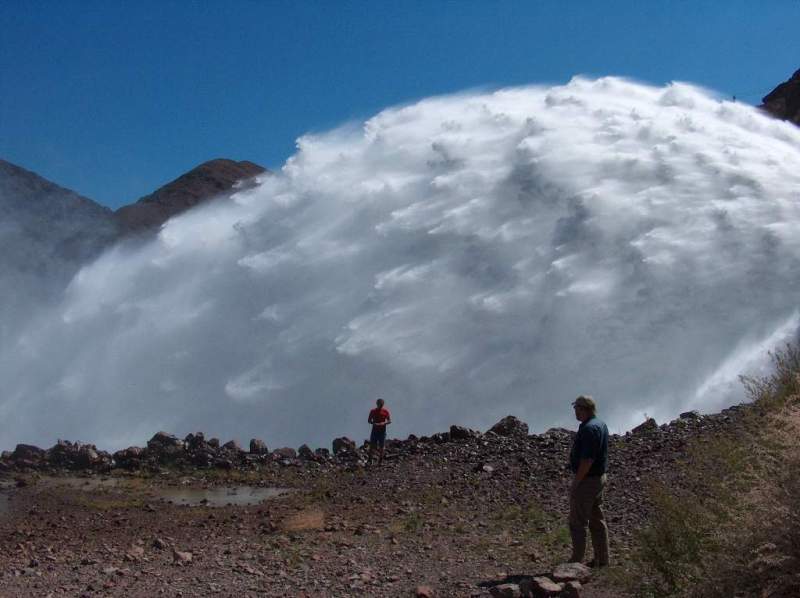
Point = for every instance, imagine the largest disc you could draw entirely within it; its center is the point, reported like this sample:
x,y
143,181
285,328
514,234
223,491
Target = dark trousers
x,y
586,510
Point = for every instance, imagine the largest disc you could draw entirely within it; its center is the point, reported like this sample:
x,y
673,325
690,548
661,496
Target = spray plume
x,y
464,257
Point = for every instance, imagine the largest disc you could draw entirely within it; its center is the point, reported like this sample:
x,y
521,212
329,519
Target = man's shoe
x,y
595,565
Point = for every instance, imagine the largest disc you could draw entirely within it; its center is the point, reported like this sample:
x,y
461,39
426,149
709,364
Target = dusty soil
x,y
458,516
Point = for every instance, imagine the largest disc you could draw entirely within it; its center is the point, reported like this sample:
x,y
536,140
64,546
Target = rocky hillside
x,y
460,513
46,233
210,179
784,101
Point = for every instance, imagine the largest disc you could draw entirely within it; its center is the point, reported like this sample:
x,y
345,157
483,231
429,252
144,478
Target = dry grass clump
x,y
728,523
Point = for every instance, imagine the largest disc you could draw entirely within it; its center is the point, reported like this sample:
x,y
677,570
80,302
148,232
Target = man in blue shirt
x,y
589,462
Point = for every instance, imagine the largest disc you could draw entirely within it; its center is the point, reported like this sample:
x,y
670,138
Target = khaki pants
x,y
585,509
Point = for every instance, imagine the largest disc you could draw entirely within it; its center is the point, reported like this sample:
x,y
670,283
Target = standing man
x,y
589,462
379,418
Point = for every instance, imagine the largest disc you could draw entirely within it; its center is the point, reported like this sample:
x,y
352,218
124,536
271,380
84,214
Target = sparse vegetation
x,y
728,525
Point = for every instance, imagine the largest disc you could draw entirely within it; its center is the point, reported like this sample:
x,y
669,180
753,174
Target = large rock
x,y
539,587
195,441
163,440
232,446
129,458
510,426
258,447
343,445
74,455
305,453
165,448
648,426
461,433
572,572
506,590
28,452
285,452
784,101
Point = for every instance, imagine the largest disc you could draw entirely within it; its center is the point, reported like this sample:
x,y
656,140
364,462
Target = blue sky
x,y
113,99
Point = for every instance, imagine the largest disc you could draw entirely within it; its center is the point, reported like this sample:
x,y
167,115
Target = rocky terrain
x,y
208,180
784,101
460,513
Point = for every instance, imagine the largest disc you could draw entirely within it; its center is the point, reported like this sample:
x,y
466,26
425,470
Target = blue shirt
x,y
591,442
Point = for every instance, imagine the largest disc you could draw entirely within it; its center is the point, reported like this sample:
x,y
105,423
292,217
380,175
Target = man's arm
x,y
583,469
370,419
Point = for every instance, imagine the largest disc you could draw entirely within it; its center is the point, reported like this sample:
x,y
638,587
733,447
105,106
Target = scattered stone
x,y
572,589
690,415
134,553
181,558
425,592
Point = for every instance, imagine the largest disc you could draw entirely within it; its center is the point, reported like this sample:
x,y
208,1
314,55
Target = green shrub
x,y
728,523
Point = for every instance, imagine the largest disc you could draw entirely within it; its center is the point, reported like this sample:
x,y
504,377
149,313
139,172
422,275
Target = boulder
x,y
322,454
506,590
572,589
195,441
129,458
343,444
28,452
232,446
305,453
572,572
74,455
258,447
284,453
164,440
690,415
424,592
510,426
461,433
648,426
539,587
441,437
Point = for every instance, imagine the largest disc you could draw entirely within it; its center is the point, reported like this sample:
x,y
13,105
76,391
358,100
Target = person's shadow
x,y
517,579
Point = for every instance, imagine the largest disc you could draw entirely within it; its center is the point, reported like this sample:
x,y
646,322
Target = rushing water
x,y
464,257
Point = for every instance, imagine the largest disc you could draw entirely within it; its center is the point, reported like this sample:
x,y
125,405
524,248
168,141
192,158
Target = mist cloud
x,y
464,257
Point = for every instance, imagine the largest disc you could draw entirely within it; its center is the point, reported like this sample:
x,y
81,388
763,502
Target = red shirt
x,y
378,416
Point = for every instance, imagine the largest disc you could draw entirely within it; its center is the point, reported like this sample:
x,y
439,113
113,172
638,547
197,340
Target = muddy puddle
x,y
222,496
237,496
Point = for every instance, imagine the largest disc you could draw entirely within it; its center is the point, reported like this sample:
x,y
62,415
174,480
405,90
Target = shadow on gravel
x,y
517,579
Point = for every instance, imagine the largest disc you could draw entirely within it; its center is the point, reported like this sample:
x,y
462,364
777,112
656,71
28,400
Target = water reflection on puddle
x,y
237,496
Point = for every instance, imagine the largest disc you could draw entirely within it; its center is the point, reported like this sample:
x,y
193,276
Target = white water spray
x,y
465,257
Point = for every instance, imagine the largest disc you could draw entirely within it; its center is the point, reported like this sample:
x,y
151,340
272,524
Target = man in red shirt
x,y
379,418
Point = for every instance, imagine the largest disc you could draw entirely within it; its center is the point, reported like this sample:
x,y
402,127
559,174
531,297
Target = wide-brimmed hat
x,y
585,402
